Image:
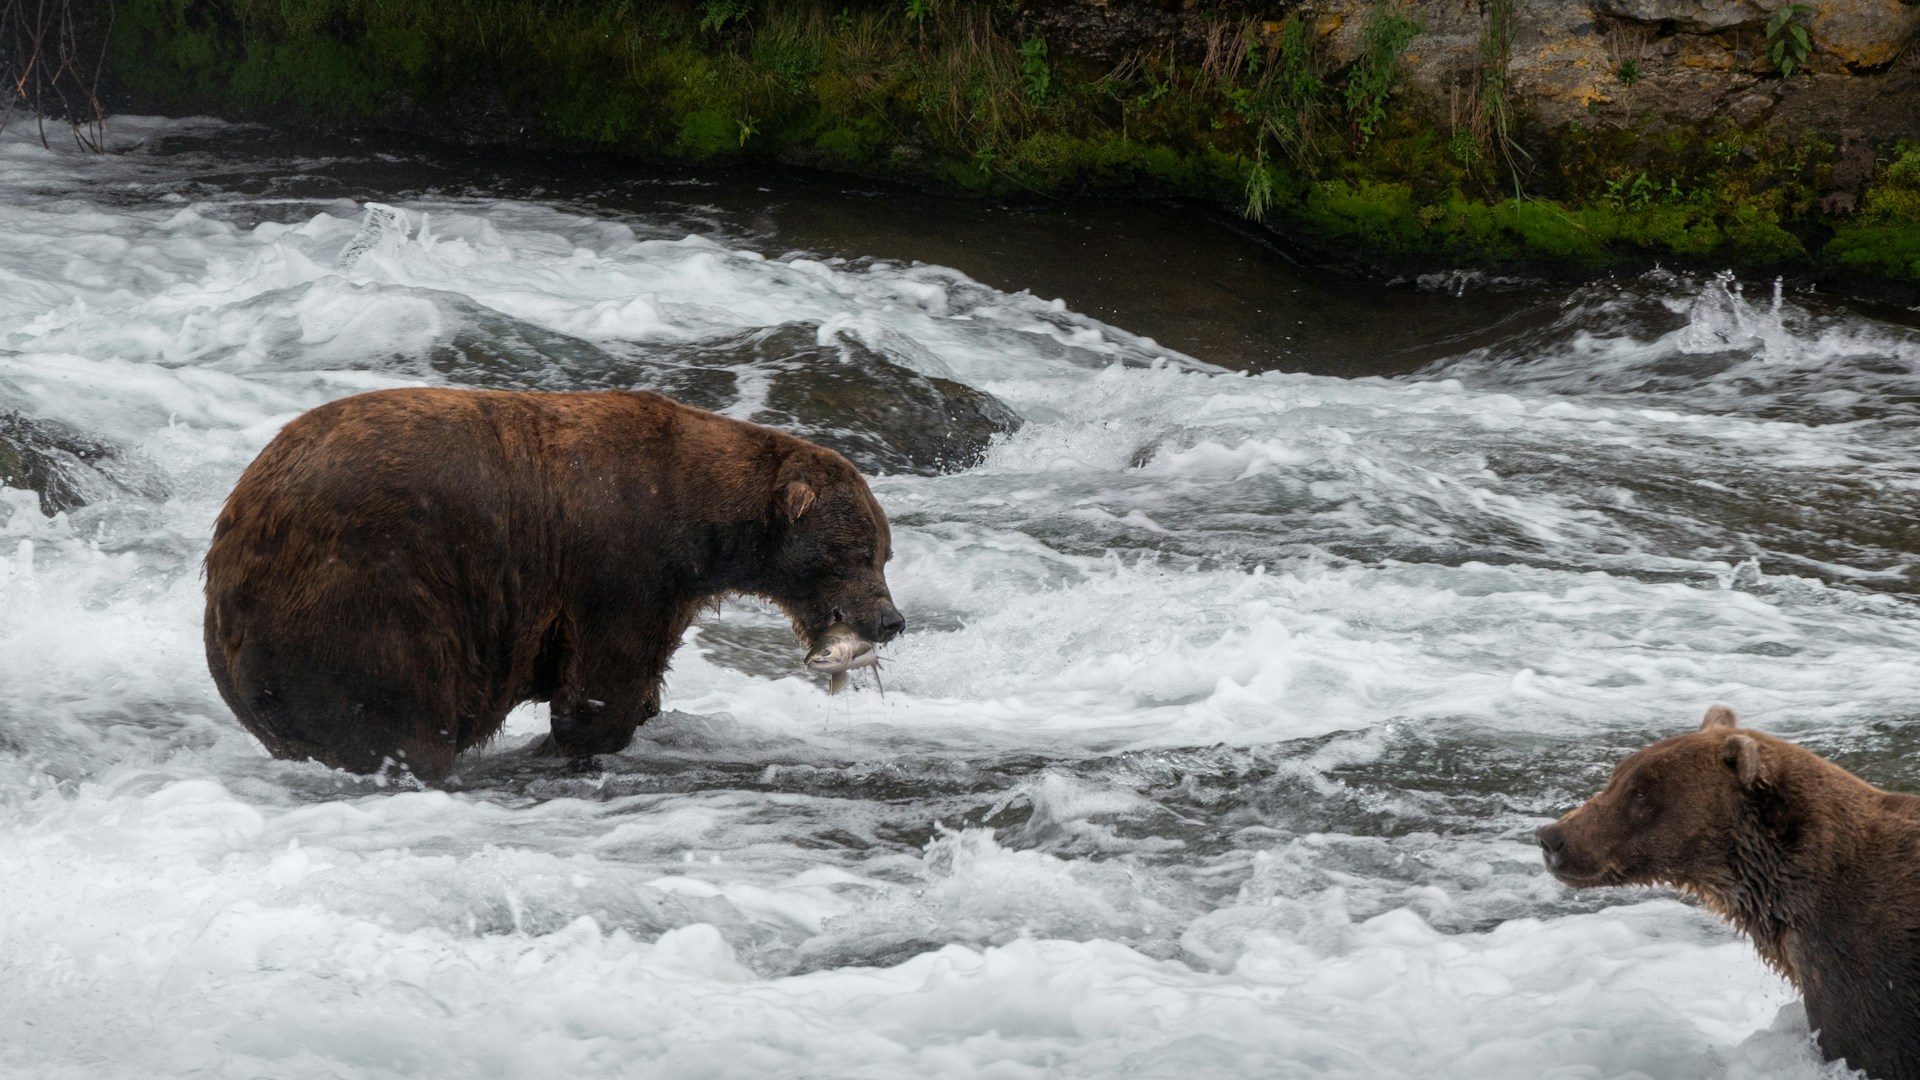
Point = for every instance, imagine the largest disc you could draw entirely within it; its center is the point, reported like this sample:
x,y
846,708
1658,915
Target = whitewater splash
x,y
1231,704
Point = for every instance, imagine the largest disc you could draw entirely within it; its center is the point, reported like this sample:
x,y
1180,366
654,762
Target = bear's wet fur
x,y
1818,867
398,569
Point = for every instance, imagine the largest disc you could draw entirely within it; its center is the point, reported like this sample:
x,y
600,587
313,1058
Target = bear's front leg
x,y
609,679
584,725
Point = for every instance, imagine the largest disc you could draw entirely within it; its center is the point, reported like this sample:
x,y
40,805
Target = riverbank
x,y
1522,135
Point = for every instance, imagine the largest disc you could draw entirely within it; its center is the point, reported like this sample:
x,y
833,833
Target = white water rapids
x,y
1230,703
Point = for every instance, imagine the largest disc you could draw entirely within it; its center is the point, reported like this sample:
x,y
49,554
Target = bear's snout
x,y
891,622
1553,844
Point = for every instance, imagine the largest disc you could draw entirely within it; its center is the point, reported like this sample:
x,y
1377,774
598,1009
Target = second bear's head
x,y
1674,812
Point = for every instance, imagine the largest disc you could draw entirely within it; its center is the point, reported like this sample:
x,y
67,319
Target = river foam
x,y
1231,703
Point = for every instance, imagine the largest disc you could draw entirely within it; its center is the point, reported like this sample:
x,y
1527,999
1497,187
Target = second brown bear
x,y
1818,867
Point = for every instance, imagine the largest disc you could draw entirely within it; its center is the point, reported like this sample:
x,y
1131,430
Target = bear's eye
x,y
1639,796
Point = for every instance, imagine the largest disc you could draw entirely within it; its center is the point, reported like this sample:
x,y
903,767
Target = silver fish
x,y
841,649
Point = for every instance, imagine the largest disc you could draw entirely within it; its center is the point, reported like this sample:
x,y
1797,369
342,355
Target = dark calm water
x,y
1259,615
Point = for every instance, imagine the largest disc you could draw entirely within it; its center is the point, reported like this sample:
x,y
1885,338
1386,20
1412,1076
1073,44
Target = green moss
x,y
710,133
1885,237
1878,249
1381,216
1758,237
594,115
1543,228
853,142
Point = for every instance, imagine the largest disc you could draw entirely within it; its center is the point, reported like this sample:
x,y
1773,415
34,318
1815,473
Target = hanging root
x,y
52,53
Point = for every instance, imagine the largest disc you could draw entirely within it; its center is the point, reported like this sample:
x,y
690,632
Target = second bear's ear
x,y
1742,755
1719,717
794,497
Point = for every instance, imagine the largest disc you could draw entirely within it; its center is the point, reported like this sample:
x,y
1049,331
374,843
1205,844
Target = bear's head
x,y
1671,812
830,548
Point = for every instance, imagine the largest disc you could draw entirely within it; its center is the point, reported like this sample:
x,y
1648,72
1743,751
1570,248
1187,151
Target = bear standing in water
x,y
397,570
1818,867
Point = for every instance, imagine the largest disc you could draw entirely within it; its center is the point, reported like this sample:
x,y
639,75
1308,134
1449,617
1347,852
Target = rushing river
x,y
1240,671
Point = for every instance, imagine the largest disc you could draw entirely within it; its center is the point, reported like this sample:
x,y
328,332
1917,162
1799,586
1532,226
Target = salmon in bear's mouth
x,y
840,649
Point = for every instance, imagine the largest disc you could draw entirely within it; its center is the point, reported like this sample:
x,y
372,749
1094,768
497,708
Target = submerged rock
x,y
66,469
885,417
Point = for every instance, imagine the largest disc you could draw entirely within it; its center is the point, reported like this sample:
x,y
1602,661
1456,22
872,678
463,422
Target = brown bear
x,y
398,569
1818,867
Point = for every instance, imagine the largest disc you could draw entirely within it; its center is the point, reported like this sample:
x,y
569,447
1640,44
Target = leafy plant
x,y
716,14
1464,147
1034,70
1156,89
1289,104
1628,73
917,12
1787,42
1641,191
1383,37
1297,78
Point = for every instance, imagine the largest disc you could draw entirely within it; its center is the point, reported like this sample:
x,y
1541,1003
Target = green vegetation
x,y
1491,122
1787,43
961,94
1034,69
1383,37
1884,238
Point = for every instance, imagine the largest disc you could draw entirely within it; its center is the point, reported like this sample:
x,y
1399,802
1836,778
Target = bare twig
x,y
50,67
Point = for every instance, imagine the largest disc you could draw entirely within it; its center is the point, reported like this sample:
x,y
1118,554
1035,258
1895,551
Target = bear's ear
x,y
1742,755
1719,717
793,483
794,497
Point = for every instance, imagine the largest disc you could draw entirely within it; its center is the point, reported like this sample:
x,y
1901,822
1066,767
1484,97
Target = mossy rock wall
x,y
1493,131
